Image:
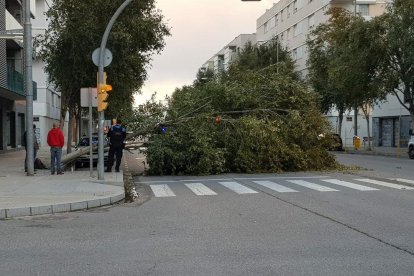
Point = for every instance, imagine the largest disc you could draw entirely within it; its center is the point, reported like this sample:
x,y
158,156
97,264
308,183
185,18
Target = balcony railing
x,y
15,83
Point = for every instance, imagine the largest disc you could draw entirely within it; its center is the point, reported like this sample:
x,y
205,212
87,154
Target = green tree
x,y
324,48
395,30
246,121
344,62
71,37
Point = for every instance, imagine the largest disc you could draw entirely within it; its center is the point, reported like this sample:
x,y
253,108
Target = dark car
x,y
84,160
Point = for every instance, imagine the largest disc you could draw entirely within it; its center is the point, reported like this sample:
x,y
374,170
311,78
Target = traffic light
x,y
102,91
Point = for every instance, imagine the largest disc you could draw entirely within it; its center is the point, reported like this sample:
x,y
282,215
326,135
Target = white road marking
x,y
349,185
275,187
386,184
312,186
232,178
162,190
403,180
200,189
238,188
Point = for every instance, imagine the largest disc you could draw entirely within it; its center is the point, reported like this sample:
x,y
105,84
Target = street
x,y
320,223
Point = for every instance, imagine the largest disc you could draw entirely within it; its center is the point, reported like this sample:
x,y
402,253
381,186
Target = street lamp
x,y
100,168
28,86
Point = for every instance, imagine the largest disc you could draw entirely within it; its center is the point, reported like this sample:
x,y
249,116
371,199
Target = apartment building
x,y
46,102
12,96
291,21
222,59
46,108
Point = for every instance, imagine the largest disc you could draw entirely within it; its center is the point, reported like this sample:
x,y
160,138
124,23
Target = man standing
x,y
35,146
56,141
116,135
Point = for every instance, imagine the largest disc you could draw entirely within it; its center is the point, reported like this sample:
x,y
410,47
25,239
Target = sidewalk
x,y
43,193
384,151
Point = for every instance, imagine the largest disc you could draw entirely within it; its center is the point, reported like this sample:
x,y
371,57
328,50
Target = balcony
x,y
15,83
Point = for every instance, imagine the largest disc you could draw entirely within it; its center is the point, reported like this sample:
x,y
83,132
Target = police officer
x,y
116,135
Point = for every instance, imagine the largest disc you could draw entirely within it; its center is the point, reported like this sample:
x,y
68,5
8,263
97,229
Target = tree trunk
x,y
70,131
369,133
341,118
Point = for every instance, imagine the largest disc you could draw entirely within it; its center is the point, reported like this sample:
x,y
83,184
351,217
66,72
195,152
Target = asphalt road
x,y
379,166
344,226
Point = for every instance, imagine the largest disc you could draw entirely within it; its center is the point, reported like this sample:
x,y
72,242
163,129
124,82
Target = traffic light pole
x,y
101,115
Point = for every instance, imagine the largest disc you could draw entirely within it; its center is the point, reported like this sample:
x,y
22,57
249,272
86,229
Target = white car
x,y
411,147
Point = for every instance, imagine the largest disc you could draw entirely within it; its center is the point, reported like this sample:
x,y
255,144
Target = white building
x,y
46,102
46,109
223,58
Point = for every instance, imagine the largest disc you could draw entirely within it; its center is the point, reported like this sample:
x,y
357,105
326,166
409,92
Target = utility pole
x,y
101,115
28,87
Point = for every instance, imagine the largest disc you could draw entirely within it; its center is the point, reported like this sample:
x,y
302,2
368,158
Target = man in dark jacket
x,y
56,141
116,135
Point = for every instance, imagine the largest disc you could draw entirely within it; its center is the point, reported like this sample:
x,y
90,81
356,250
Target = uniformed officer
x,y
116,136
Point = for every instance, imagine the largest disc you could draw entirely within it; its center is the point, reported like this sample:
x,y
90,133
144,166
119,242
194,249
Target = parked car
x,y
411,147
84,160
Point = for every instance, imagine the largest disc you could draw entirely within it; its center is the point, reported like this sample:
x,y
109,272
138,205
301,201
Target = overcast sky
x,y
199,29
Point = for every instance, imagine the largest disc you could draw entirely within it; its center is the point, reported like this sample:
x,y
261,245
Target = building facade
x,y
46,108
46,102
223,58
12,95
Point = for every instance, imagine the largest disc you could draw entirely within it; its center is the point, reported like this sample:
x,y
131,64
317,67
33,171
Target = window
x,y
311,21
297,5
294,54
272,22
276,21
288,11
299,52
297,29
265,27
363,9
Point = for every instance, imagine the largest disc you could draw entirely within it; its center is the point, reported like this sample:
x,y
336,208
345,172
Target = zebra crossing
x,y
201,188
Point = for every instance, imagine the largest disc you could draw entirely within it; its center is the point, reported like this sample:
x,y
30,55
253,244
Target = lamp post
x,y
28,87
356,106
101,116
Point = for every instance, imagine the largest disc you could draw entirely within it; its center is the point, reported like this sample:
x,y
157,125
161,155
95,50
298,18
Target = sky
x,y
199,29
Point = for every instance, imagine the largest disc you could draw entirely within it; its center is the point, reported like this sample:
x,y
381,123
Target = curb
x,y
60,208
400,154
